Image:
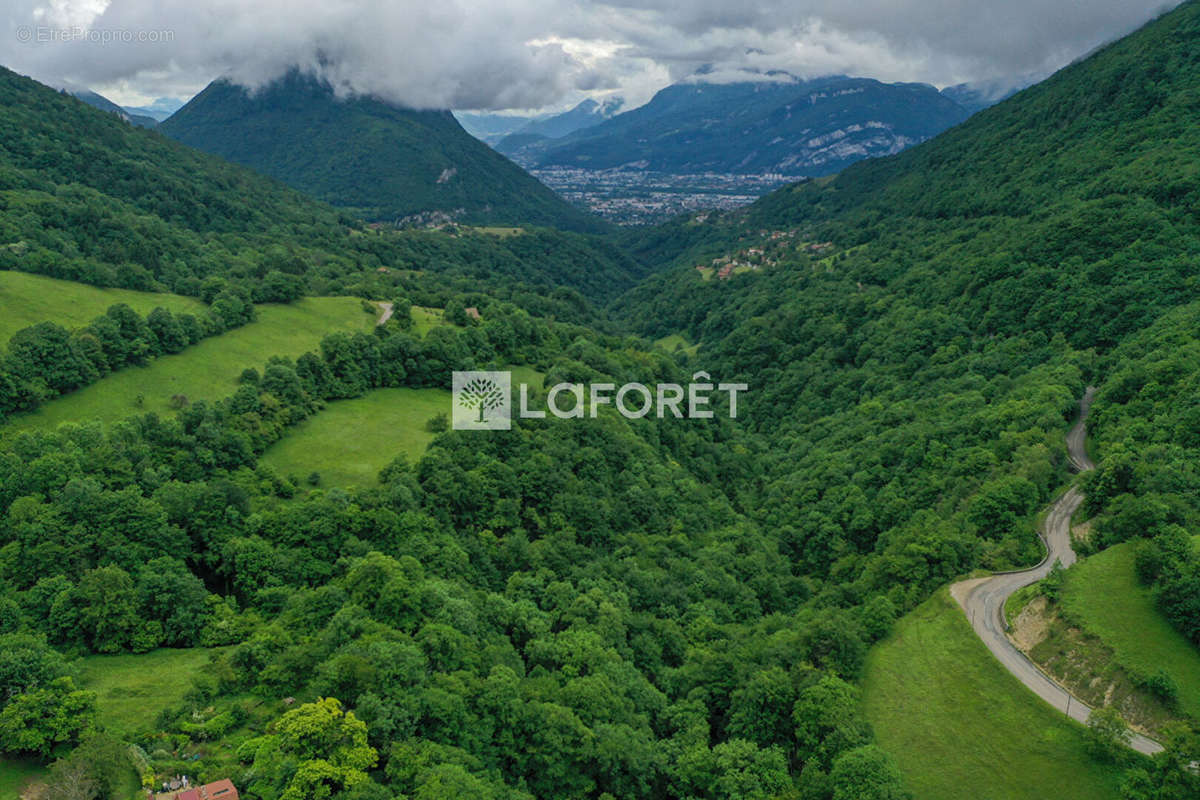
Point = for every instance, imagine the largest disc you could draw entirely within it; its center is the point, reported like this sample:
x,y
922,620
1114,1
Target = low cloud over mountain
x,y
537,53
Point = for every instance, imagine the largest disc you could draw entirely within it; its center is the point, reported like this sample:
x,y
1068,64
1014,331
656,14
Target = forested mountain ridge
x,y
915,318
104,104
976,96
377,160
809,127
1080,190
85,196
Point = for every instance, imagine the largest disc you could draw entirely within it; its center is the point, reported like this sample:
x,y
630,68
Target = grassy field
x,y
426,319
29,299
1103,593
959,725
350,441
132,689
14,773
208,370
525,374
676,341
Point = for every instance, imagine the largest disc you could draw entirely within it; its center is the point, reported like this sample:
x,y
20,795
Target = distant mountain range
x,y
495,128
159,109
489,127
377,160
978,96
794,127
587,114
101,102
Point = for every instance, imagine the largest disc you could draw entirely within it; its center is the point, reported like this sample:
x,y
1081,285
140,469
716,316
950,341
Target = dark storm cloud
x,y
531,53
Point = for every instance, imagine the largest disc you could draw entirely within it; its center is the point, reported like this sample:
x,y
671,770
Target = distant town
x,y
639,197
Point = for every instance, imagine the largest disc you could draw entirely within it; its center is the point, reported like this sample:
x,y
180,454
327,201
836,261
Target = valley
x,y
267,519
637,197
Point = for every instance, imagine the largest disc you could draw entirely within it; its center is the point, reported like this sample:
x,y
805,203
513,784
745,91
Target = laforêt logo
x,y
482,401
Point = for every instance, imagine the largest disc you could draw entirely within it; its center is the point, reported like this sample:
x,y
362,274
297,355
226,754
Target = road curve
x,y
983,598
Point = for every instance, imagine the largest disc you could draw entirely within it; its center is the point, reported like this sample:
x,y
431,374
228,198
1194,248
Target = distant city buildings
x,y
638,197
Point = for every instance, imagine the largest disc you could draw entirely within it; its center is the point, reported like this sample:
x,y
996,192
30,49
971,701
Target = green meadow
x,y
130,692
132,689
350,441
29,299
208,370
675,342
426,319
960,726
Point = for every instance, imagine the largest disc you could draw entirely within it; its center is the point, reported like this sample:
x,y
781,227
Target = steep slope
x,y
85,196
813,127
374,159
921,317
1073,200
89,197
975,97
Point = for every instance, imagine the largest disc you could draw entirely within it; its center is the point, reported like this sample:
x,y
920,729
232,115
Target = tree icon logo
x,y
482,394
482,400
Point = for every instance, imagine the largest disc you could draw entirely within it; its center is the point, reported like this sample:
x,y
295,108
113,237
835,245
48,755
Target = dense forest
x,y
1147,424
605,607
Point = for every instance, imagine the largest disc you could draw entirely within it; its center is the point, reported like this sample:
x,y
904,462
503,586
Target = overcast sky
x,y
526,54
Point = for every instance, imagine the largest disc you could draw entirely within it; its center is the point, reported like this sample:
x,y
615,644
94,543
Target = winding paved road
x,y
983,598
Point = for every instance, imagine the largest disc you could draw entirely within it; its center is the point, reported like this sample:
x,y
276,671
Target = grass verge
x,y
959,725
1102,594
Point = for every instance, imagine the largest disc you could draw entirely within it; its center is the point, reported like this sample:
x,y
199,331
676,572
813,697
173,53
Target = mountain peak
x,y
374,158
